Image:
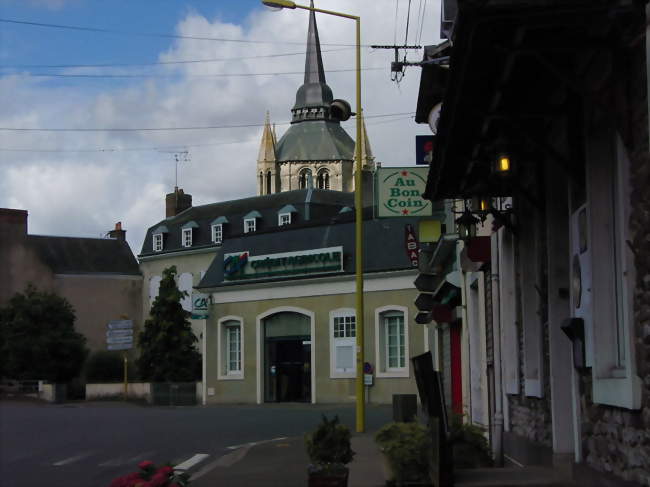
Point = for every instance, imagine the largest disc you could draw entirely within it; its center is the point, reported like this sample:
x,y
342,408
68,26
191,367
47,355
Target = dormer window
x,y
187,237
284,215
250,221
216,227
186,233
158,238
157,242
249,225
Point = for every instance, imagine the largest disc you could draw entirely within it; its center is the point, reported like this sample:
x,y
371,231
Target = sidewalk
x,y
284,464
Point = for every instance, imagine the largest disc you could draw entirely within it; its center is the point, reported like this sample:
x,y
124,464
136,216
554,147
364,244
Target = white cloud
x,y
85,193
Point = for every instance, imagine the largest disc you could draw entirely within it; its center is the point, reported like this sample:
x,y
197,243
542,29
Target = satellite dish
x,y
340,109
434,116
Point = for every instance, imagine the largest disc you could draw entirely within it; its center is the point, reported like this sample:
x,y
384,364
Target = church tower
x,y
315,152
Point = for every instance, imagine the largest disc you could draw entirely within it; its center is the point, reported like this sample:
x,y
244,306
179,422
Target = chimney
x,y
13,223
118,233
176,202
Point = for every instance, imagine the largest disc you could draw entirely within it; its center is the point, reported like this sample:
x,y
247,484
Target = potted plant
x,y
152,476
329,451
407,450
470,446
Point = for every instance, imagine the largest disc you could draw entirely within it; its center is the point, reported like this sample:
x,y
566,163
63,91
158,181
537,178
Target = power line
x,y
151,34
161,76
162,129
398,118
158,63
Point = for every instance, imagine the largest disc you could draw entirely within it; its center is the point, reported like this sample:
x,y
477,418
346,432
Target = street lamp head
x,y
279,4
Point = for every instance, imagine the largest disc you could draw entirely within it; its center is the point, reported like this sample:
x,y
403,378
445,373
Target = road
x,y
88,444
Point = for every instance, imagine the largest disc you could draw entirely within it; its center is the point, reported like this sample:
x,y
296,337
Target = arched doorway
x,y
286,357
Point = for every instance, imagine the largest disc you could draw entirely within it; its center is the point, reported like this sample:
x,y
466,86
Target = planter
x,y
329,479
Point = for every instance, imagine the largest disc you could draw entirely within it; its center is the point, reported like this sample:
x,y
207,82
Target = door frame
x,y
260,343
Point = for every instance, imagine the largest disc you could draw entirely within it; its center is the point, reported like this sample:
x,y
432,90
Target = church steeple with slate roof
x,y
315,151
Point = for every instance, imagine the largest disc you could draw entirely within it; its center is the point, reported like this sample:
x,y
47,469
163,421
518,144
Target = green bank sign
x,y
399,191
314,261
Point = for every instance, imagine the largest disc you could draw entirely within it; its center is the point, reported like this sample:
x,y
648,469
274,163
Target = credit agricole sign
x,y
399,192
314,261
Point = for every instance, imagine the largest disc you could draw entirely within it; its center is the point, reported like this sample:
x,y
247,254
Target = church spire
x,y
314,97
267,146
314,72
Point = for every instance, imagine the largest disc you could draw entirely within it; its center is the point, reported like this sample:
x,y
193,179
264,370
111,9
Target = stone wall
x,y
617,440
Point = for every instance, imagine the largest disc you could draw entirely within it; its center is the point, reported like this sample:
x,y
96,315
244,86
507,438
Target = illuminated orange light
x,y
485,205
504,164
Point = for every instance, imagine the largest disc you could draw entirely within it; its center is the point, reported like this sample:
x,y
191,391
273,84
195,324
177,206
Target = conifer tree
x,y
167,344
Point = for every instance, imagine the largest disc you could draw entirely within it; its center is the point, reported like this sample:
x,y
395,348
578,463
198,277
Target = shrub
x,y
407,447
329,445
471,448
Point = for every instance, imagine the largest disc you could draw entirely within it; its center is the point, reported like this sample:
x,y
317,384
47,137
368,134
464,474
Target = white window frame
x,y
335,342
250,225
157,242
217,233
186,237
615,383
223,351
284,219
382,368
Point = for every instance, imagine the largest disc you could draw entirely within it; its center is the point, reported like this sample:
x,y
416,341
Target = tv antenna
x,y
179,156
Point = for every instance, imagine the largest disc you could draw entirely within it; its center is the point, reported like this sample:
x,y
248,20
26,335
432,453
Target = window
x,y
249,225
391,341
268,182
323,179
185,283
154,288
284,219
217,233
305,179
187,237
343,343
231,348
157,242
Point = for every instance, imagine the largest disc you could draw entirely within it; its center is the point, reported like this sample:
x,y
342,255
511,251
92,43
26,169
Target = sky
x,y
72,98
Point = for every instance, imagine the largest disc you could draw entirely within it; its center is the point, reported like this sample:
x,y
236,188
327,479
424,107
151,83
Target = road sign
x,y
113,340
119,333
120,324
120,346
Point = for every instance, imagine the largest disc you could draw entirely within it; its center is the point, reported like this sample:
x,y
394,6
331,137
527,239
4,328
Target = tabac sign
x,y
399,192
314,261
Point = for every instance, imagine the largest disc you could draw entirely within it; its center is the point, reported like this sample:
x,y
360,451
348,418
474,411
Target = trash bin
x,y
405,407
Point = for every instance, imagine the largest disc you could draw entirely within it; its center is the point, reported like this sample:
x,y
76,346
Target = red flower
x,y
167,470
145,465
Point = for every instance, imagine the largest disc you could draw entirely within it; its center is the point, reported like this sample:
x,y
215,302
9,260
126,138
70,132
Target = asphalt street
x,y
88,444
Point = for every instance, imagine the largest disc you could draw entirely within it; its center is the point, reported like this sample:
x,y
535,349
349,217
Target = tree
x,y
38,339
167,343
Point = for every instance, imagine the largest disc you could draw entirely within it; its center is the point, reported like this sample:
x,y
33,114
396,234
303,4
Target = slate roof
x,y
315,140
385,248
75,255
312,206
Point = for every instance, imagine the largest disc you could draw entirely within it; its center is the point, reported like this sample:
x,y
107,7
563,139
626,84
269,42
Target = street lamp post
x,y
358,203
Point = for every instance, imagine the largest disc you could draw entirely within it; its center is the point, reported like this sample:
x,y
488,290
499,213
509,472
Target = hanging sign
x,y
411,243
399,192
200,306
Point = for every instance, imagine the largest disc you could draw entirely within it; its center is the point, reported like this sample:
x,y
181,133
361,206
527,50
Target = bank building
x,y
277,269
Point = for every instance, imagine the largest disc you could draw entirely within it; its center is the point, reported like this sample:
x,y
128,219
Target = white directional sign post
x,y
119,336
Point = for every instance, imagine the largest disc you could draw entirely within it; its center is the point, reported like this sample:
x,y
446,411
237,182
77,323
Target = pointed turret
x,y
368,160
267,169
267,146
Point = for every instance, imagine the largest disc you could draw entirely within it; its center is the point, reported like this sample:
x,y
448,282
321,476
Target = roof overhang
x,y
512,66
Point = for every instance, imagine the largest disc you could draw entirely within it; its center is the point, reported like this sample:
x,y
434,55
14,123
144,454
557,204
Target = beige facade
x,y
318,301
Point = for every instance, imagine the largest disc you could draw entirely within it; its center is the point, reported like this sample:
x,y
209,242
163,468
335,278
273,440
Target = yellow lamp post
x,y
358,203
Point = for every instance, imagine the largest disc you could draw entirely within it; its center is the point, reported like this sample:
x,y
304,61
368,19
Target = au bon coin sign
x,y
399,192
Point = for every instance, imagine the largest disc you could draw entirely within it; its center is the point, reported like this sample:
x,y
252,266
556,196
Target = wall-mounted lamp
x,y
502,165
467,225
